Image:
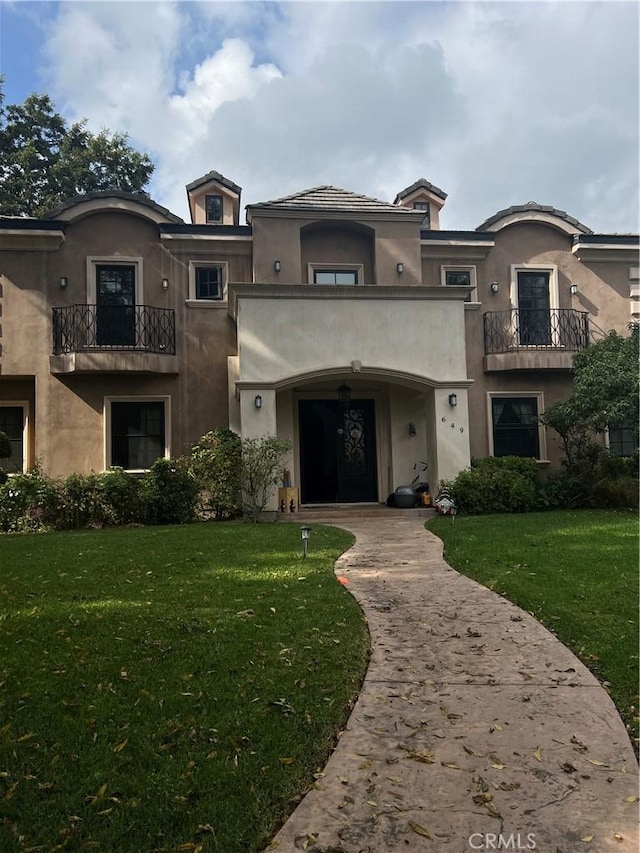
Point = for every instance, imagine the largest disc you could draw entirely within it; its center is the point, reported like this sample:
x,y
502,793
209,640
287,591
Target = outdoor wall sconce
x,y
305,533
64,281
344,394
573,289
277,266
453,399
412,429
165,284
495,286
257,401
400,268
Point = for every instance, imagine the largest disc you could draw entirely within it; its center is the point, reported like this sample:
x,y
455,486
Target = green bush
x,y
29,502
169,492
497,484
216,463
121,497
618,493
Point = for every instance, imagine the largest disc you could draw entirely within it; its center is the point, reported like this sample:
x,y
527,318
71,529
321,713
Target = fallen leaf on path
x,y
420,830
596,762
587,838
537,754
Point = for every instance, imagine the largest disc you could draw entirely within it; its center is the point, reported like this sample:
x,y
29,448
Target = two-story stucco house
x,y
354,328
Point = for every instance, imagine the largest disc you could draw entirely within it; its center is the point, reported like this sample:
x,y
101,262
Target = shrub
x,y
216,463
29,502
169,492
120,496
497,484
621,493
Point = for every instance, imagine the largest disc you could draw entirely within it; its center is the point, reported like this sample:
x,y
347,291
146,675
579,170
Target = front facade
x,y
374,342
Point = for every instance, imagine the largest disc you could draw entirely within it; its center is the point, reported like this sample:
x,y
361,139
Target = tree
x,y
262,460
605,395
44,161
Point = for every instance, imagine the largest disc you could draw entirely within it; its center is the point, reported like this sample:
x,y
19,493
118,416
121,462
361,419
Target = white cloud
x,y
496,103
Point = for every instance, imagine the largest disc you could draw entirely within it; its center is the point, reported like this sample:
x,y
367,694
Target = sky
x,y
495,103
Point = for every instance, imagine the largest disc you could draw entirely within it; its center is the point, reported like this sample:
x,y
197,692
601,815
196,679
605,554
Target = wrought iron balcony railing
x,y
139,328
536,329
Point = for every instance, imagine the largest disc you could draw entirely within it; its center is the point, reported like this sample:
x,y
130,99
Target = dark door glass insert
x,y
137,434
534,309
515,426
12,424
116,305
338,451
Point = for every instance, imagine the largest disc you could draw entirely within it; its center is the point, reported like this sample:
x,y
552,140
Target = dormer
x,y
425,197
214,200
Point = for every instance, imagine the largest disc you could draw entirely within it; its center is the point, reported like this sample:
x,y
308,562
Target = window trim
x,y
107,401
542,433
193,266
26,418
312,268
470,268
94,261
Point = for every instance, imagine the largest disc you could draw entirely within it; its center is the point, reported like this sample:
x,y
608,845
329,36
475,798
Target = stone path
x,y
474,722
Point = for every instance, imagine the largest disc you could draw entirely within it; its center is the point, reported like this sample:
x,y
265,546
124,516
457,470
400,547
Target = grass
x,y
167,689
576,571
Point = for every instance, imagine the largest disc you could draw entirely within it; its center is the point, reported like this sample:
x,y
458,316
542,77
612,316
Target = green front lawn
x,y
574,570
168,688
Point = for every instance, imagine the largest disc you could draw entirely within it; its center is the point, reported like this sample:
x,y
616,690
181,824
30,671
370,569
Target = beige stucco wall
x,y
281,337
67,414
396,240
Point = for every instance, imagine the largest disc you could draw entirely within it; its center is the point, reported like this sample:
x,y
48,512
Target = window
x,y
136,432
116,305
13,422
424,205
335,276
456,276
514,425
622,442
207,283
213,208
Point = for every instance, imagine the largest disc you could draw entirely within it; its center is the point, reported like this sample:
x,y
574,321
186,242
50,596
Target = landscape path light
x,y
305,533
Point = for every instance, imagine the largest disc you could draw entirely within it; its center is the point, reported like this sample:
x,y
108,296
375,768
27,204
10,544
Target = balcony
x,y
113,339
534,339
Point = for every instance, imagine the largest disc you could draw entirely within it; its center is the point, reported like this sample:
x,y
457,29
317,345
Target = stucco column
x,y
257,422
450,450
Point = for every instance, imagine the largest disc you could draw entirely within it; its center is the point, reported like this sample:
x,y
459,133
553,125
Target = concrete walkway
x,y
473,722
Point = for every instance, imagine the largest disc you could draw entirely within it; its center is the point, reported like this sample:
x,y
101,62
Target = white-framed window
x,y
534,297
514,428
137,431
460,275
336,274
213,207
14,422
426,207
208,281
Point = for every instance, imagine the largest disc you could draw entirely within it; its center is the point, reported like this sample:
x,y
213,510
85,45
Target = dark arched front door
x,y
337,451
